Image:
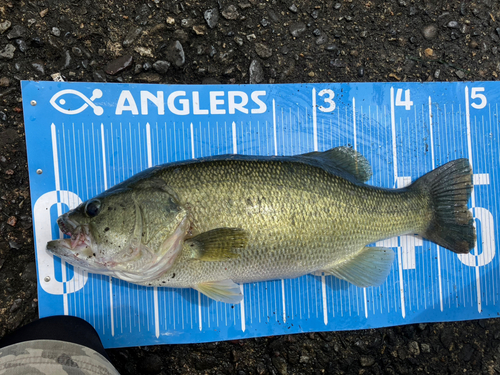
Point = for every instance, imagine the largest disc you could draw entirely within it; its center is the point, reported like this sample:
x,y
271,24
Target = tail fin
x,y
450,187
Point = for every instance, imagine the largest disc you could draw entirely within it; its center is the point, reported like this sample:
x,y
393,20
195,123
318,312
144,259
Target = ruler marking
x,y
395,163
473,195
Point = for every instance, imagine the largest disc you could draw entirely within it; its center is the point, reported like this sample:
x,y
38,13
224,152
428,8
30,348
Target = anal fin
x,y
369,267
225,291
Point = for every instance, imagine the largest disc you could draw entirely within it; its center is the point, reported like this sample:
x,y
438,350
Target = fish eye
x,y
93,207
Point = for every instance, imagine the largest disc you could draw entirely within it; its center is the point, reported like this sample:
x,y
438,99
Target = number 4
x,y
407,103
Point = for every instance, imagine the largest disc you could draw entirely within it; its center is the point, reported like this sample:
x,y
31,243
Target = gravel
x,y
237,42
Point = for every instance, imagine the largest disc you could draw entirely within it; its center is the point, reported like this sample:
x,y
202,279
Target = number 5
x,y
474,95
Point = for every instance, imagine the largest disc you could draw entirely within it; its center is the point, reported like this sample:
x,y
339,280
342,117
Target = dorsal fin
x,y
345,159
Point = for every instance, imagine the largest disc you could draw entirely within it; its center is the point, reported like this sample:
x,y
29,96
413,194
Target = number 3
x,y
328,100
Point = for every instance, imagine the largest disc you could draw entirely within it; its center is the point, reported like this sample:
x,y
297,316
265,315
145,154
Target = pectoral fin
x,y
369,267
224,291
217,244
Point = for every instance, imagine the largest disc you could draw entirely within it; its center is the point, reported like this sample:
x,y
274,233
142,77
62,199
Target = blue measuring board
x,y
83,138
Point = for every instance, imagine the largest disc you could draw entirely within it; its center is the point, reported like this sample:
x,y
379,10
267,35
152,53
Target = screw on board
x,y
39,171
33,103
46,279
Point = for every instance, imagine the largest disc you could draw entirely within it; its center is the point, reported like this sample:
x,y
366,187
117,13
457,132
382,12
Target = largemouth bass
x,y
212,223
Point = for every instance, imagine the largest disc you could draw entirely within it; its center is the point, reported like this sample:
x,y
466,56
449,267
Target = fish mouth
x,y
79,243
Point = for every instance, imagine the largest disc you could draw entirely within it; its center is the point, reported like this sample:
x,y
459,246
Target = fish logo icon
x,y
57,101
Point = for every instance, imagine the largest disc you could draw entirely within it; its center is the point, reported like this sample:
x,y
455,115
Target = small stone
x,y
44,12
14,245
366,361
293,8
337,6
12,221
315,14
453,25
361,72
17,31
273,16
317,32
280,364
144,51
200,29
4,82
263,50
55,31
16,305
7,52
119,64
437,73
256,72
161,66
57,77
296,29
321,40
29,273
170,21
211,51
212,17
238,40
132,35
66,60
4,26
466,353
429,32
77,51
21,44
426,348
304,359
230,13
311,74
337,63
36,42
428,52
149,77
143,14
38,66
187,22
244,5
460,74
181,35
147,66
264,22
414,348
175,54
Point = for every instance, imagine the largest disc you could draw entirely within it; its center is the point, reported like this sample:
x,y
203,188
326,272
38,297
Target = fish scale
x,y
310,219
